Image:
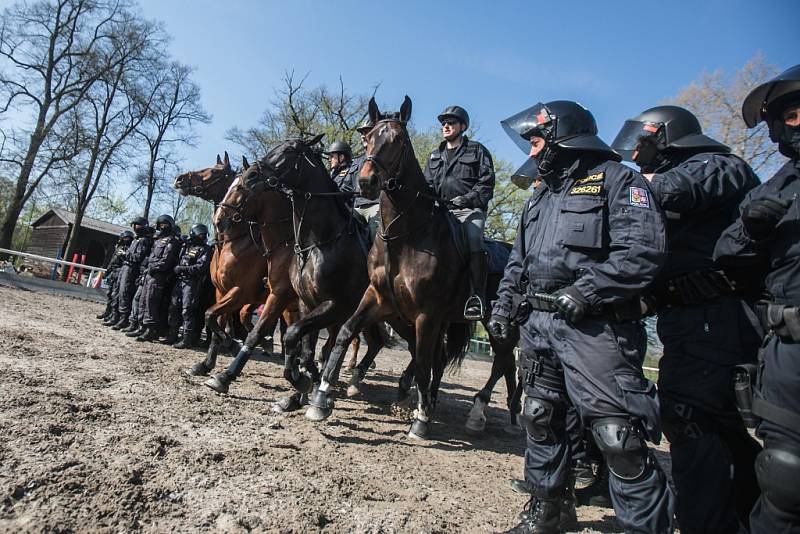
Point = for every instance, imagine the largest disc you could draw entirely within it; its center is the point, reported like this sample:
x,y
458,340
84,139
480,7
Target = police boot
x,y
106,313
597,493
540,516
112,319
134,329
150,334
172,337
568,519
475,308
186,342
122,323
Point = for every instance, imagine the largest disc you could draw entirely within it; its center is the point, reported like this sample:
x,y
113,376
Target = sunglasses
x,y
449,122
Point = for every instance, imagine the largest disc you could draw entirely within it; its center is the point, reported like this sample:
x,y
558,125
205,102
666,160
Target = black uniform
x,y
706,329
467,170
137,252
346,177
112,277
601,233
191,271
777,400
161,262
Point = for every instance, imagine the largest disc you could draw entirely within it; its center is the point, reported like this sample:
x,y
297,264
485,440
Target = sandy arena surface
x,y
101,433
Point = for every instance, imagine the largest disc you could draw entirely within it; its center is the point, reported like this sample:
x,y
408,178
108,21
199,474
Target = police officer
x,y
112,275
590,239
461,171
162,260
138,250
706,324
766,240
191,271
343,172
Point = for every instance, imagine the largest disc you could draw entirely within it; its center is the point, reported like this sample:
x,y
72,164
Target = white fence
x,y
91,279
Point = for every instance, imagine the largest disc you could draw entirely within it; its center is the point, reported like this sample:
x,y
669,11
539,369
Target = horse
x,y
239,287
416,274
329,271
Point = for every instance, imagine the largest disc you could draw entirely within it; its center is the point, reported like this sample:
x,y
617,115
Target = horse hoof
x,y
419,430
287,404
317,414
475,427
217,383
198,369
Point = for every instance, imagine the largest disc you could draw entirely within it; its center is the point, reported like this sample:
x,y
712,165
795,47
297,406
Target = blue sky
x,y
493,58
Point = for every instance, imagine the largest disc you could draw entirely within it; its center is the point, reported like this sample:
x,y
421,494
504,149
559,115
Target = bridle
x,y
203,187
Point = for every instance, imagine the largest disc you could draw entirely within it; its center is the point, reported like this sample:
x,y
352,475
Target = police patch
x,y
586,190
639,197
599,177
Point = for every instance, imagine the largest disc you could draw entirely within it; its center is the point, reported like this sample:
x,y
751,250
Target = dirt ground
x,y
101,433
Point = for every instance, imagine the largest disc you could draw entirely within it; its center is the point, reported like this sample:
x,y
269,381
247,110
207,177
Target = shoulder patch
x,y
639,197
594,189
599,177
343,172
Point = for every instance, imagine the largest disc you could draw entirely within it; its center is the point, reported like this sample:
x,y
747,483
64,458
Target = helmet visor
x,y
521,126
629,136
526,174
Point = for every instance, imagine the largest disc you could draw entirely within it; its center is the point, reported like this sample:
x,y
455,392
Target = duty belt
x,y
693,288
626,311
780,319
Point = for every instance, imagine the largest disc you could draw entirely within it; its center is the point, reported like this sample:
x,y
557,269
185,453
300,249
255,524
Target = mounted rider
x,y
343,171
461,171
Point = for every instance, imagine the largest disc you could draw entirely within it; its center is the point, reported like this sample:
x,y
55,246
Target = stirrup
x,y
471,302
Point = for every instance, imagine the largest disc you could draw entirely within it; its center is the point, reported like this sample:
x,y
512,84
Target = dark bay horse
x,y
239,287
329,271
416,274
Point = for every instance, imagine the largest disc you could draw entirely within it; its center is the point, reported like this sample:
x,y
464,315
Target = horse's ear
x,y
245,163
219,161
314,140
374,112
227,161
405,110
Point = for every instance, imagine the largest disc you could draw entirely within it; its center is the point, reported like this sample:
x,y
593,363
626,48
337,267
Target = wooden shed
x,y
51,231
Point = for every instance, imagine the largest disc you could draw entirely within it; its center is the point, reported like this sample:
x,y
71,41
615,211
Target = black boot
x,y
106,313
135,332
475,308
596,494
568,520
186,342
150,334
172,337
122,323
111,320
540,516
134,326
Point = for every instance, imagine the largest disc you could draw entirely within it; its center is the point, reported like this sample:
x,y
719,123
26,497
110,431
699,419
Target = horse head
x,y
235,206
209,183
387,144
293,165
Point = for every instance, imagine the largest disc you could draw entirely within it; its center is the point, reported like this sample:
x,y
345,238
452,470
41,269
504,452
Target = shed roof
x,y
69,218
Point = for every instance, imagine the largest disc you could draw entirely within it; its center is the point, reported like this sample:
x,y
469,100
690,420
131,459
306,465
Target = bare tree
x,y
175,111
297,111
716,98
51,53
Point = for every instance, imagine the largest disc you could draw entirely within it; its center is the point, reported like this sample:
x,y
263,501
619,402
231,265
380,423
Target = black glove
x,y
571,304
179,269
499,327
761,216
461,201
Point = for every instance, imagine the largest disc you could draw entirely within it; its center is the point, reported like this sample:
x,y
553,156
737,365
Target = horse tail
x,y
457,343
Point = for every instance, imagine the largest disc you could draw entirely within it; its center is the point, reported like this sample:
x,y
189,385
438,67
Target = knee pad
x,y
778,470
622,446
537,416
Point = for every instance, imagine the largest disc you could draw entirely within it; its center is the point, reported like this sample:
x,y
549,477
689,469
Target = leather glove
x,y
761,216
499,327
572,306
461,201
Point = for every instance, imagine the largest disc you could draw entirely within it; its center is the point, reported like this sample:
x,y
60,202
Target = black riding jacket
x,y
777,258
600,231
469,172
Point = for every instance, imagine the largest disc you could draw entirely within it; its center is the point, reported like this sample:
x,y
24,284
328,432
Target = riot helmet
x,y
199,232
527,174
141,223
126,235
165,220
456,112
768,101
340,147
651,136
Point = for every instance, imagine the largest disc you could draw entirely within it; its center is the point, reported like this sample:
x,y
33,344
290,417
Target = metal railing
x,y
91,270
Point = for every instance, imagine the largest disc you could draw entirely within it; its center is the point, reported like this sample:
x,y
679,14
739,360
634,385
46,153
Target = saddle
x,y
497,251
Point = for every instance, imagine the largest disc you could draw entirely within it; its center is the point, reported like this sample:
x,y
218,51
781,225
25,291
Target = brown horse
x,y
239,287
416,271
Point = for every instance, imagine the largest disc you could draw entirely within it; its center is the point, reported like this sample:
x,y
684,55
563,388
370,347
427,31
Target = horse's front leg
x,y
429,339
312,321
368,312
